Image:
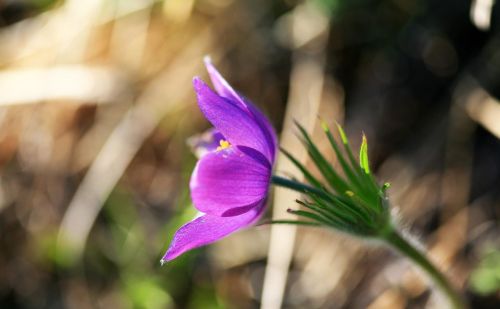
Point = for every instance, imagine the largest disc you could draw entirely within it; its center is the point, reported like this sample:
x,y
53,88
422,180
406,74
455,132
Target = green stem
x,y
404,247
296,186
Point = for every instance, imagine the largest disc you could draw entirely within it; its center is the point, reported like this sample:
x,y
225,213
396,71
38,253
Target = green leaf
x,y
296,222
346,213
347,147
309,177
351,174
343,225
363,156
331,217
369,211
343,136
326,169
310,215
368,180
369,190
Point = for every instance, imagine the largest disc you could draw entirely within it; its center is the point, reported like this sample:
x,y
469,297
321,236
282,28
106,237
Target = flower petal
x,y
239,126
227,182
221,86
267,128
224,89
208,229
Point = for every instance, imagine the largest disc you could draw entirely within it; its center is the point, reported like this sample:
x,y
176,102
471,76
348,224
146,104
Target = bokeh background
x,y
96,106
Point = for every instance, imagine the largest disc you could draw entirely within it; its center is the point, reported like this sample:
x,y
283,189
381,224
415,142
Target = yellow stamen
x,y
349,193
223,145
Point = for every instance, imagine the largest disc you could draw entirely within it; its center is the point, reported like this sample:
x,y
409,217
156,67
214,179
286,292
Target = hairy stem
x,y
404,247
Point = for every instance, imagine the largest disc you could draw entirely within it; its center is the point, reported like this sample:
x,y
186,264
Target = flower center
x,y
223,145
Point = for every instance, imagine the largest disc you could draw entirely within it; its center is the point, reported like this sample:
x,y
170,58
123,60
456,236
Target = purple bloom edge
x,y
229,185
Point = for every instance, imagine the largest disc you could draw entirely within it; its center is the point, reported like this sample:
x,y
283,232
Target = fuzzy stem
x,y
296,186
393,238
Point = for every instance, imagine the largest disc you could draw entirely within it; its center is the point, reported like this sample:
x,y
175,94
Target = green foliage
x,y
55,251
485,279
43,4
335,181
147,293
328,7
363,156
351,202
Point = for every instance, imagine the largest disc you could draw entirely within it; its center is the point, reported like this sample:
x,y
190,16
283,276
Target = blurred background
x,y
96,106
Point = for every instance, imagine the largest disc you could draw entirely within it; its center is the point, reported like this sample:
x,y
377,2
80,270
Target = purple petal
x,y
221,86
224,89
267,128
208,229
205,142
229,181
238,126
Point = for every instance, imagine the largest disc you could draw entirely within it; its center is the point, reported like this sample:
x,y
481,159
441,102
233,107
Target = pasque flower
x,y
230,182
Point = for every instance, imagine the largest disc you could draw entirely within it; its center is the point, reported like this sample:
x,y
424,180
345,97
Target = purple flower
x,y
230,182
